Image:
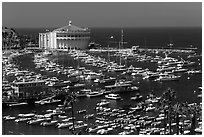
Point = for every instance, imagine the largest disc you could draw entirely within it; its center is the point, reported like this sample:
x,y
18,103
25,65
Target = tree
x,y
166,104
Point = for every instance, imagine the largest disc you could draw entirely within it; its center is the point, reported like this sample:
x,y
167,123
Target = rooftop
x,y
70,27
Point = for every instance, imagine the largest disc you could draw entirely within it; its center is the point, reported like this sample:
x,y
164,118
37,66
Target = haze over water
x,y
156,37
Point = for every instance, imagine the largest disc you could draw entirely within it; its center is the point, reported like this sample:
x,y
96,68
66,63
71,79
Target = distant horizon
x,y
106,27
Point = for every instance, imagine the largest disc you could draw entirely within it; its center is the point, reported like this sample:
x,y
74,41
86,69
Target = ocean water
x,y
155,38
144,37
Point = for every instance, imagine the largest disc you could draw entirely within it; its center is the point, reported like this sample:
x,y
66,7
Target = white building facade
x,y
67,37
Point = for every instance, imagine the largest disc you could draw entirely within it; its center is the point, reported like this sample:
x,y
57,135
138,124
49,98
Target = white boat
x,y
150,108
168,78
22,119
68,119
96,128
113,96
198,130
81,111
9,117
136,97
136,108
82,93
179,70
36,121
64,125
102,131
43,102
26,115
88,116
94,94
134,88
103,103
194,72
62,117
18,104
51,123
80,126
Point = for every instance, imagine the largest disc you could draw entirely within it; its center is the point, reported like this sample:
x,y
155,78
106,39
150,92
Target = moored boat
x,y
26,115
64,125
113,96
94,94
22,120
49,123
9,117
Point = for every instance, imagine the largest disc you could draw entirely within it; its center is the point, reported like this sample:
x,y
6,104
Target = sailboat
x,y
120,67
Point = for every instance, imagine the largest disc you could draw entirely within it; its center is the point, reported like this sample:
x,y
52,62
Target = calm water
x,y
154,38
144,37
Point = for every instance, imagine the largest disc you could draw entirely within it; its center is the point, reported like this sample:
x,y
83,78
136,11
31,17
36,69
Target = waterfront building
x,y
67,37
28,89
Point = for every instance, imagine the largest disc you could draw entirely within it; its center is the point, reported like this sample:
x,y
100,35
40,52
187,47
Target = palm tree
x,y
166,104
193,111
179,110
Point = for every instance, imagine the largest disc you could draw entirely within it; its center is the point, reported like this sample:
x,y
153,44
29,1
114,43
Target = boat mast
x,y
108,52
121,44
109,48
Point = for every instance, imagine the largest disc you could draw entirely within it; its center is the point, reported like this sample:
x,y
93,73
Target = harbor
x,y
112,93
101,68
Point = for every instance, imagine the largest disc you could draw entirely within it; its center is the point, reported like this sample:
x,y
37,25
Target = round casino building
x,y
64,38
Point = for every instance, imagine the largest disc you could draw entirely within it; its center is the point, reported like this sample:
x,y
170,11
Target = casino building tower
x,y
64,38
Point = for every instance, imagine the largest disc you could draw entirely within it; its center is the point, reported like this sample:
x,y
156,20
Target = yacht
x,y
94,94
168,78
113,96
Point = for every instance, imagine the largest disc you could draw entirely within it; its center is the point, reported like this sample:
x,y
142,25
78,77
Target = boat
x,y
133,88
96,128
50,123
58,112
88,116
94,94
113,96
26,115
188,63
179,70
136,97
150,108
22,120
62,117
64,125
18,104
44,102
117,88
198,130
69,119
81,126
35,121
137,108
79,85
165,68
167,78
194,72
152,76
81,111
82,93
9,117
103,103
102,131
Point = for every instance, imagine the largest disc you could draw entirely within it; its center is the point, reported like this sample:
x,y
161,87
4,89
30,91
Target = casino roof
x,y
70,27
